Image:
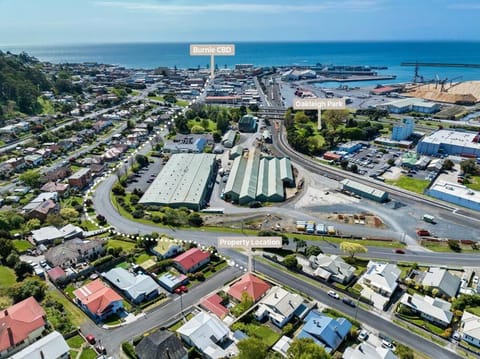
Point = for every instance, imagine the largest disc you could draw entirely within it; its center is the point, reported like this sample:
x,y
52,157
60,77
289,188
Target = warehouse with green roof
x,y
183,182
257,178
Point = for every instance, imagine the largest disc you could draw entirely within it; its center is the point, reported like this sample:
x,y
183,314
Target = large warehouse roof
x,y
182,181
455,138
360,187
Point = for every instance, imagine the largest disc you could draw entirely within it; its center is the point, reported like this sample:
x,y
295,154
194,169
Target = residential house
x,y
60,188
209,335
161,344
20,325
191,260
98,300
16,163
434,310
41,198
332,267
43,210
46,235
166,248
325,331
74,251
57,274
56,173
255,287
137,288
214,305
51,346
282,345
34,160
441,279
381,277
365,350
71,231
80,179
470,328
171,281
279,305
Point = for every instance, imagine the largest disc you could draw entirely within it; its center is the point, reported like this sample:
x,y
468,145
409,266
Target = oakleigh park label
x,y
212,51
318,104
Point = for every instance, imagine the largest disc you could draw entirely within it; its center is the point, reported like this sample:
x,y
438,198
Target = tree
x,y
194,219
334,118
170,97
196,129
181,123
353,248
69,213
404,352
6,247
291,262
141,160
306,348
252,348
313,251
301,117
29,287
468,166
448,165
55,220
299,243
354,168
32,224
344,164
22,269
12,260
246,303
118,190
30,178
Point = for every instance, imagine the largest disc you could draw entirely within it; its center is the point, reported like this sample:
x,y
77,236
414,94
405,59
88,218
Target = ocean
x,y
390,54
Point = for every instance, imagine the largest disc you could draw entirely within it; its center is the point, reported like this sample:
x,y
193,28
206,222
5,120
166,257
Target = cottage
x,y
446,283
279,305
255,287
191,260
435,310
332,267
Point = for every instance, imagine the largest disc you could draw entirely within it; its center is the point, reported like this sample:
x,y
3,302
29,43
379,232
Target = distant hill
x,y
21,82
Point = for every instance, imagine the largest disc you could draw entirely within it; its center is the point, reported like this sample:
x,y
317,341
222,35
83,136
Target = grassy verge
x,y
21,246
411,184
88,353
444,248
422,323
126,246
75,342
419,332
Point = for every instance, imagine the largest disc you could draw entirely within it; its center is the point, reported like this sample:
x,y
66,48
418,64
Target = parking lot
x,y
372,161
143,178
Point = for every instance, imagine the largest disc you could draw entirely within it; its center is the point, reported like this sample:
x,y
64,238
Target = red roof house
x,y
23,323
98,300
214,305
250,284
191,260
56,274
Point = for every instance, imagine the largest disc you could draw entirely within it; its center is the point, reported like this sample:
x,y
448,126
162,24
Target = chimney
x,y
10,337
5,312
42,355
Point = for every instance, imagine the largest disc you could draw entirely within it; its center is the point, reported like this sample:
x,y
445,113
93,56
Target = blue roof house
x,y
325,331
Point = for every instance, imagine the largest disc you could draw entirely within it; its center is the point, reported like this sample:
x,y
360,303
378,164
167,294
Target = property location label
x,y
249,242
215,50
318,104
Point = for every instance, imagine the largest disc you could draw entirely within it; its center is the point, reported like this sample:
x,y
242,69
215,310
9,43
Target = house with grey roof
x,y
435,310
332,267
161,344
209,335
74,251
366,350
441,279
279,305
137,288
381,277
51,346
470,328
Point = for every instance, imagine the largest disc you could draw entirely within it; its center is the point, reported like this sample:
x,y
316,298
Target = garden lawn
x,y
143,258
474,310
264,333
75,342
21,245
474,183
126,246
75,313
88,353
411,184
7,277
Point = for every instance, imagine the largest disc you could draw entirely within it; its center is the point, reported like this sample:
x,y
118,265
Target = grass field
x,y
411,184
143,258
474,310
126,246
7,277
474,183
76,315
264,333
21,246
212,126
182,103
443,247
88,353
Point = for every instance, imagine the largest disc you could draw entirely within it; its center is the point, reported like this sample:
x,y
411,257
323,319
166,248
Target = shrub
x,y
129,350
102,260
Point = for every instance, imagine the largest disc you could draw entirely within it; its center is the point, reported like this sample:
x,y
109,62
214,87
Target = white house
x,y
332,267
366,350
209,335
51,346
435,310
381,277
279,305
470,328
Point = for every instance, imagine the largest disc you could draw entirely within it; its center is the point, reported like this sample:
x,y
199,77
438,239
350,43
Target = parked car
x,y
349,302
363,335
333,294
90,338
387,344
181,289
399,251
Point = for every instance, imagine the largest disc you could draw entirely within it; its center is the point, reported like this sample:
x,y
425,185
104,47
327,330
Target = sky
x,y
53,22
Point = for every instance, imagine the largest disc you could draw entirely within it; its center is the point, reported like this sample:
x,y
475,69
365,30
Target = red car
x,y
181,289
90,338
399,251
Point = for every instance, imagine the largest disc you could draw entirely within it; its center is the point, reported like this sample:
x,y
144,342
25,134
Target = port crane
x,y
417,78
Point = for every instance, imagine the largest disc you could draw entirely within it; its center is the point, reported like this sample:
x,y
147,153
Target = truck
x,y
310,229
321,229
301,225
331,230
429,218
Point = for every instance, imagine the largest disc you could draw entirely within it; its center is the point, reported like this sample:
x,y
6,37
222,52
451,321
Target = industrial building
x,y
229,139
456,193
448,142
403,130
364,190
183,182
349,147
256,178
411,105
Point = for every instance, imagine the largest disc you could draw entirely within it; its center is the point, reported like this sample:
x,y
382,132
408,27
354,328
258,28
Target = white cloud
x,y
258,8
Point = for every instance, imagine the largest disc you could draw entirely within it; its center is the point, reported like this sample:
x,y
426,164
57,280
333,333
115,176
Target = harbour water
x,y
390,54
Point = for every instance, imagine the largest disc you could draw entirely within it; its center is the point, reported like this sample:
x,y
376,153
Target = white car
x,y
363,335
387,344
333,294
